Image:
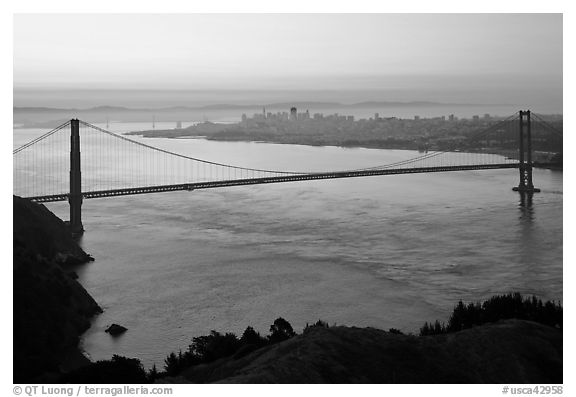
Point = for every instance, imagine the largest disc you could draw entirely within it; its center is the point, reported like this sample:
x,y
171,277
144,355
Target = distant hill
x,y
224,106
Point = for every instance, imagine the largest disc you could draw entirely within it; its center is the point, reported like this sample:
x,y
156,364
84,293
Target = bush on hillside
x,y
117,370
208,348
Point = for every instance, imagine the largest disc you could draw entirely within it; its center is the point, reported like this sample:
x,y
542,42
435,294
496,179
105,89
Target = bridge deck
x,y
276,179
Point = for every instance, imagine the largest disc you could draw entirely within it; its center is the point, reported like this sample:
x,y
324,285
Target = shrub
x,y
117,370
208,348
319,323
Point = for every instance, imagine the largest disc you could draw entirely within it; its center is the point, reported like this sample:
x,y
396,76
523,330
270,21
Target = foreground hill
x,y
51,309
509,351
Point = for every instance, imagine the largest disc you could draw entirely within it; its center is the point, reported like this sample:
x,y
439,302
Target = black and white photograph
x,y
287,198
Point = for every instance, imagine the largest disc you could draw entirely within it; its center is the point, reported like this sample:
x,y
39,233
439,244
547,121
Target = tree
x,y
173,364
251,337
152,375
498,307
280,331
214,346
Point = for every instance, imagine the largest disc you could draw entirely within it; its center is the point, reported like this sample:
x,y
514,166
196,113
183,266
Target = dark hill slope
x,y
51,309
40,231
510,351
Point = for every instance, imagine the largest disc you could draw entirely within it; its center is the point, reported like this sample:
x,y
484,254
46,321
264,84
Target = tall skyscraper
x,y
293,113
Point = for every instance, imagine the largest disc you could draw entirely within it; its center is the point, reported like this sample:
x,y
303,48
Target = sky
x,y
489,55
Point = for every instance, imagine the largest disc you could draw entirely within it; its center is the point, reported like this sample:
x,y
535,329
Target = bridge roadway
x,y
274,179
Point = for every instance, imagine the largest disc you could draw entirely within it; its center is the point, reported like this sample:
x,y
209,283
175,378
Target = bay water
x,y
386,251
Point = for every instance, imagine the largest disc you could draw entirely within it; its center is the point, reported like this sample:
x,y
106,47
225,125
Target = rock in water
x,y
116,329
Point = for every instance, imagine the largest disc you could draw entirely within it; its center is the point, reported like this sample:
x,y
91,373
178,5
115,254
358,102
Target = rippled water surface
x,y
388,251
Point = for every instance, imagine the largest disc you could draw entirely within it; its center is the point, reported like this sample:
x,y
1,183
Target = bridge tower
x,y
75,197
525,154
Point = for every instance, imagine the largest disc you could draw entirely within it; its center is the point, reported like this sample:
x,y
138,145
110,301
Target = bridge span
x,y
182,171
277,179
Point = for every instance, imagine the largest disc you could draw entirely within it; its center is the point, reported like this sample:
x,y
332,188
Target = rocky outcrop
x,y
41,232
51,309
509,351
116,329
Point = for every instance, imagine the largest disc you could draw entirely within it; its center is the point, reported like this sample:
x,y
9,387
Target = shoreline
x,y
504,153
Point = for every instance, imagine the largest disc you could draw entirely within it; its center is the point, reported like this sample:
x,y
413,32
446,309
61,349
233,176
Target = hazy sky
x,y
486,52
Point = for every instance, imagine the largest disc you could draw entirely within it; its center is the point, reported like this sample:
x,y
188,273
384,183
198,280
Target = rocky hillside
x,y
509,351
51,309
40,231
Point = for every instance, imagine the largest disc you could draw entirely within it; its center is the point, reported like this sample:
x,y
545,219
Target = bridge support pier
x,y
525,155
75,197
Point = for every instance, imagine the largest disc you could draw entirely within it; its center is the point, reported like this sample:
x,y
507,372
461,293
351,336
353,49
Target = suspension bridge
x,y
52,167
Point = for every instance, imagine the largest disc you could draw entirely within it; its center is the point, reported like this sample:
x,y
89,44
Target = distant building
x,y
451,118
350,118
293,113
416,117
179,125
376,116
475,117
244,118
487,116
